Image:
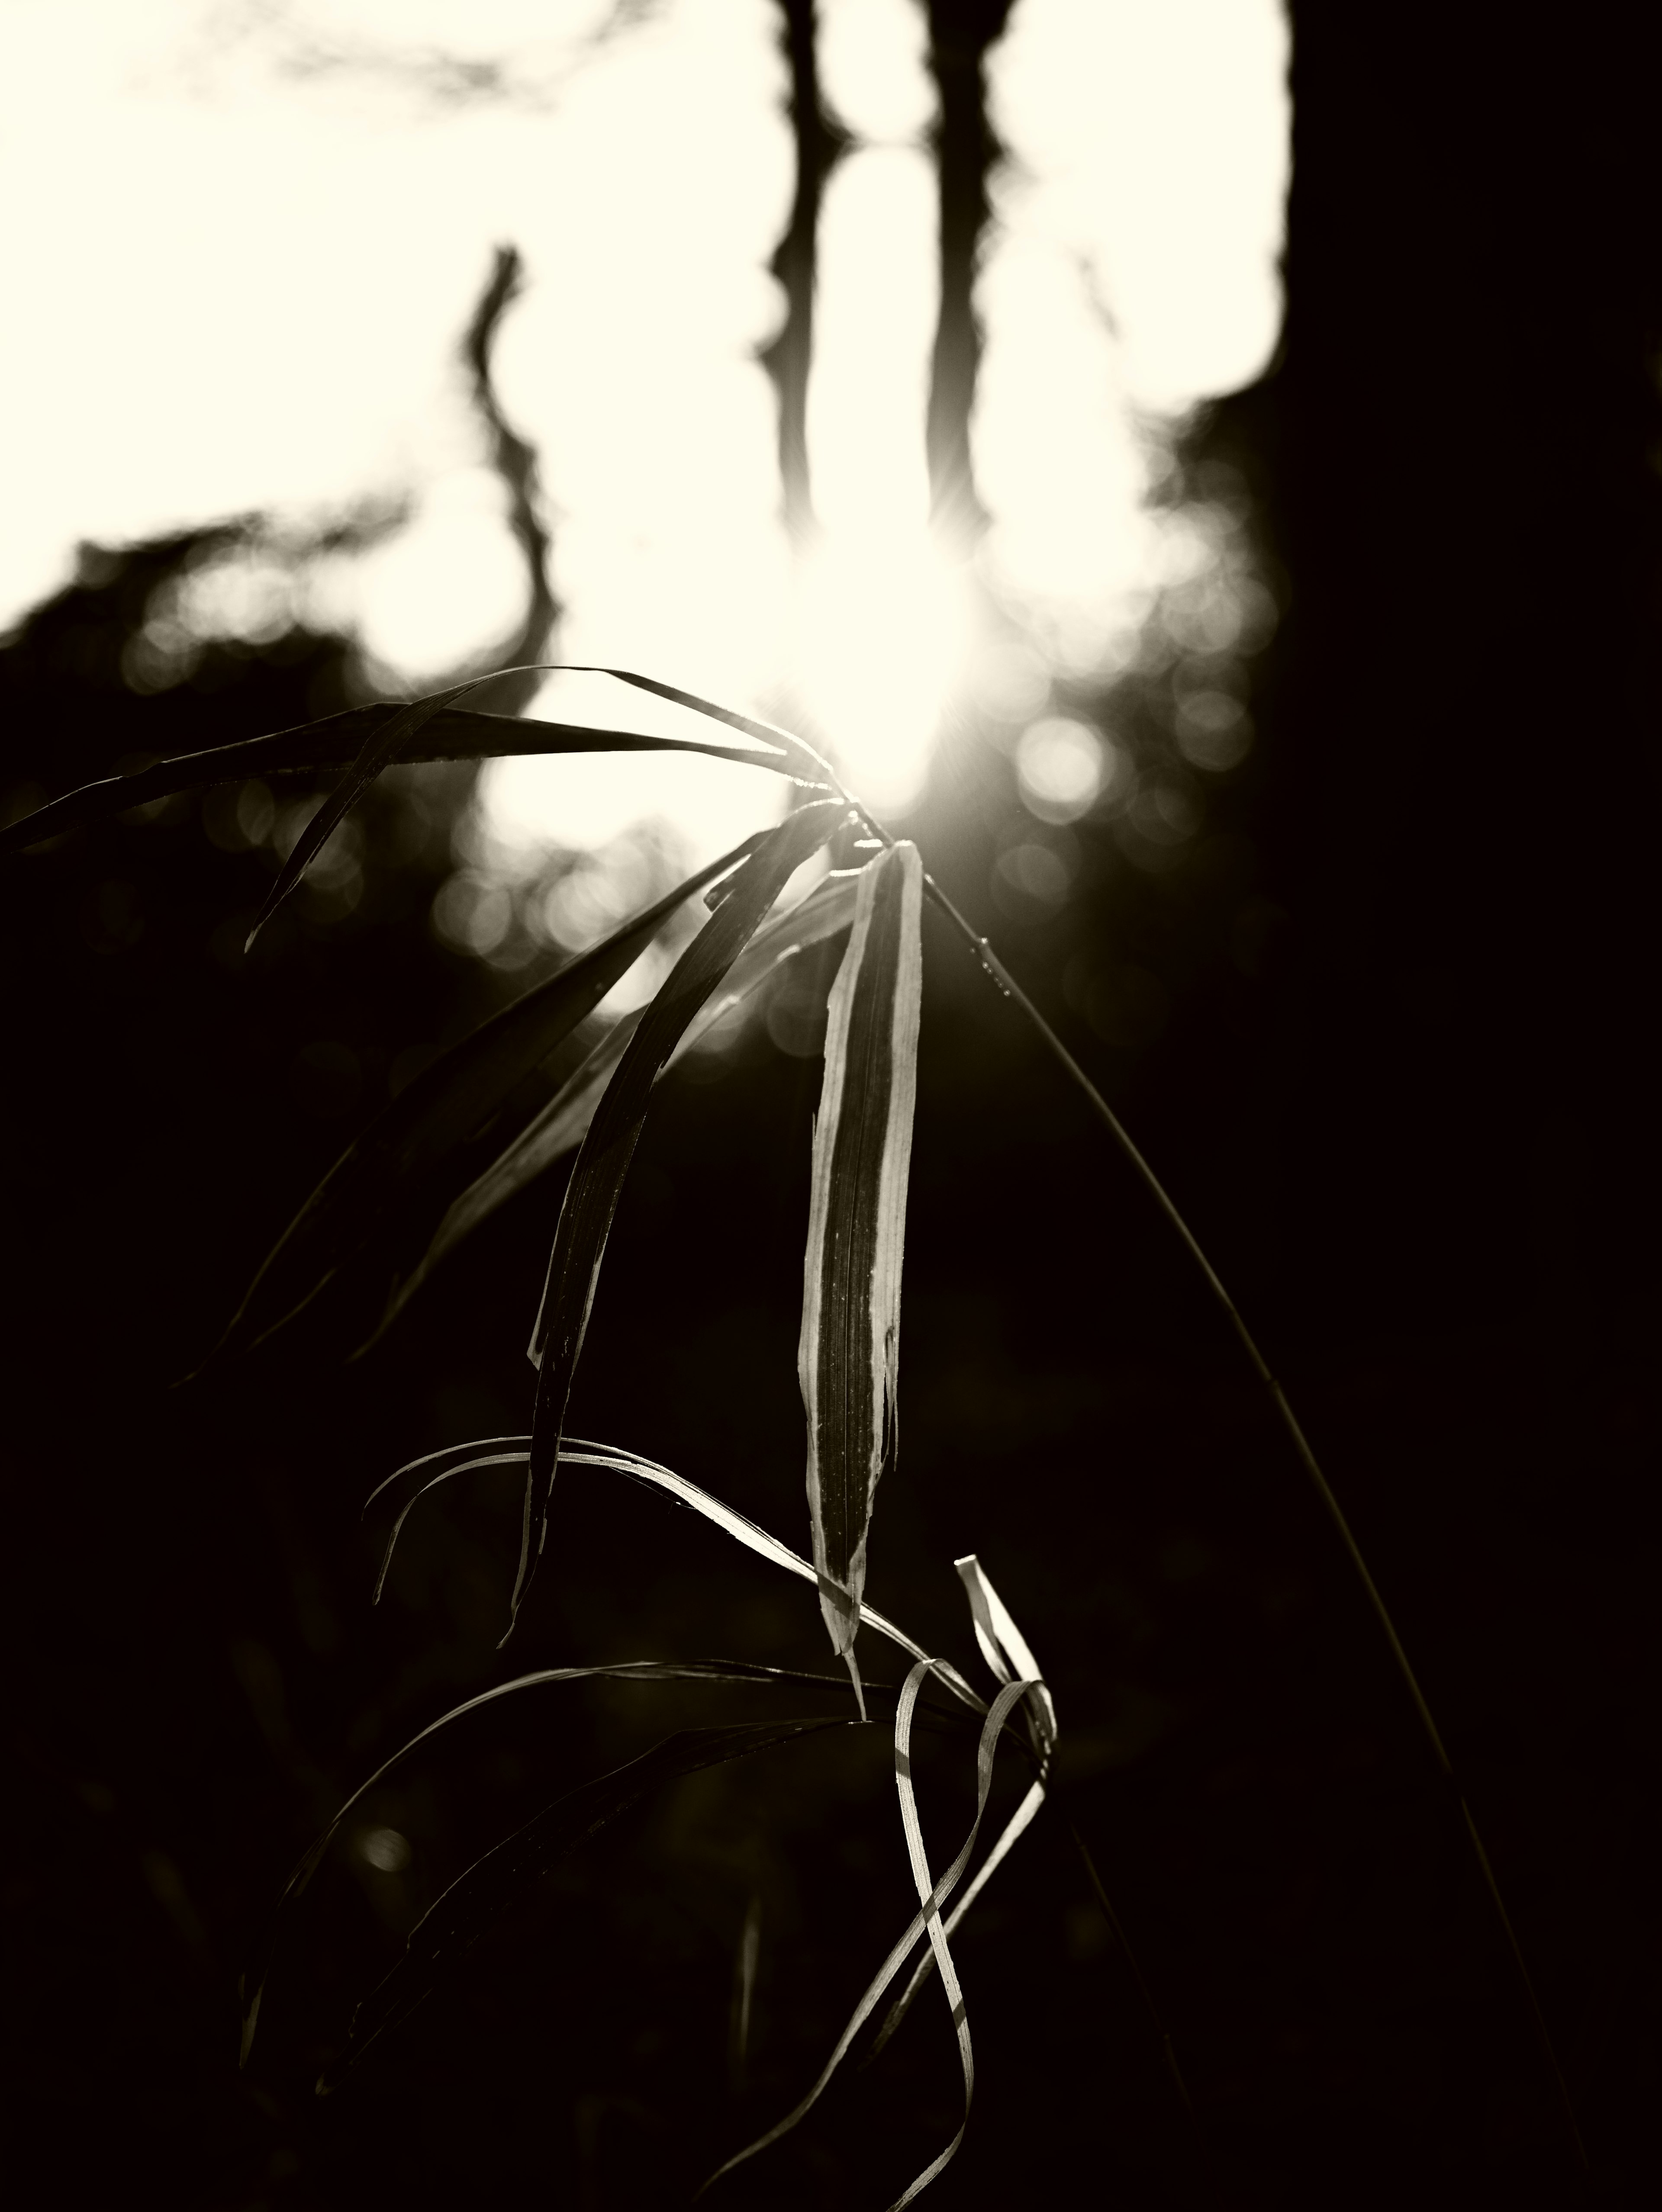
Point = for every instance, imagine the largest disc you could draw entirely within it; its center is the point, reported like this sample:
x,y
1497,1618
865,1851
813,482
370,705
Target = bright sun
x,y
882,633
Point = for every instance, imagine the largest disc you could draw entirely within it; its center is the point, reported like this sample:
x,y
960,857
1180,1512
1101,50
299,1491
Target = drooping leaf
x,y
564,1122
252,1982
848,1355
1007,1653
448,733
412,1482
1007,1650
928,1917
496,1882
380,749
597,1178
444,1105
767,733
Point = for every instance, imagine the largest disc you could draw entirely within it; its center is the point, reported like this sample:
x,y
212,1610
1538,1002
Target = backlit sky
x,y
239,239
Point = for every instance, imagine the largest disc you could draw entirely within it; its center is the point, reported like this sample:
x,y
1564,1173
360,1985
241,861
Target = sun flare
x,y
883,628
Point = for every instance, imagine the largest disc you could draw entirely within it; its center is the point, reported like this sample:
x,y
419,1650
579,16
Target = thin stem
x,y
1007,983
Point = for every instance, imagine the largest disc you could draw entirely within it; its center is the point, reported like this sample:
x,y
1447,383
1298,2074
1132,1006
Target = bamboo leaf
x,y
564,1122
337,741
496,1882
380,749
597,1179
849,1354
767,733
934,1896
411,1483
1006,1651
445,1104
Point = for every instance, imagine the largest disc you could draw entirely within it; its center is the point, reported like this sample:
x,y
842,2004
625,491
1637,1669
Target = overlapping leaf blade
x,y
849,1353
412,1482
444,1105
564,1122
597,1179
496,1882
387,743
447,733
1011,1659
933,1895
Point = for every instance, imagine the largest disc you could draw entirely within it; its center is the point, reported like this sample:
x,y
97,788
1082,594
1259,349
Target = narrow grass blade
x,y
564,1122
387,745
621,1670
1006,1649
597,1179
496,1882
380,749
445,1104
411,1483
935,1896
766,733
920,1864
1000,975
1020,1821
849,1354
335,741
1007,1653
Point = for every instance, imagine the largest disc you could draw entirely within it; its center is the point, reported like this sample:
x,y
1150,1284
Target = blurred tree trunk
x,y
1456,458
961,32
788,357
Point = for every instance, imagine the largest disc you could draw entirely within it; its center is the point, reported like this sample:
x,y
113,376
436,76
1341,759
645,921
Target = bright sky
x,y
239,239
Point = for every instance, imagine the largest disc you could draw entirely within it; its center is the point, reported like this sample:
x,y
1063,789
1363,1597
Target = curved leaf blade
x,y
412,1482
1011,1659
847,1358
602,1164
387,745
337,741
564,1122
766,733
380,749
927,1916
445,1104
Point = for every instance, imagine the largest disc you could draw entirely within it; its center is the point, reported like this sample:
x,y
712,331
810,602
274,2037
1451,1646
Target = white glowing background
x,y
241,238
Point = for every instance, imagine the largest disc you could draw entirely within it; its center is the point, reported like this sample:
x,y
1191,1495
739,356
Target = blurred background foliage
x,y
1342,889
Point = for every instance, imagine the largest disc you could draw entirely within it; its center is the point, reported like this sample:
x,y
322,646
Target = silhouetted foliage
x,y
1382,1023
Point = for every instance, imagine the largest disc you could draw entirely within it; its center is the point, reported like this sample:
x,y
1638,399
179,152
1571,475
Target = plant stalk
x,y
1000,974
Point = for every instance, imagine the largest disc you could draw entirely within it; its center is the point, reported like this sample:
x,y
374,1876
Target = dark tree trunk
x,y
960,33
788,357
516,461
1456,454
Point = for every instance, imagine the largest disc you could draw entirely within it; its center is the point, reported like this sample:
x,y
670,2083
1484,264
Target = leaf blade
x,y
564,1122
933,1895
849,1350
459,1459
1010,1658
608,1146
436,1112
334,742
